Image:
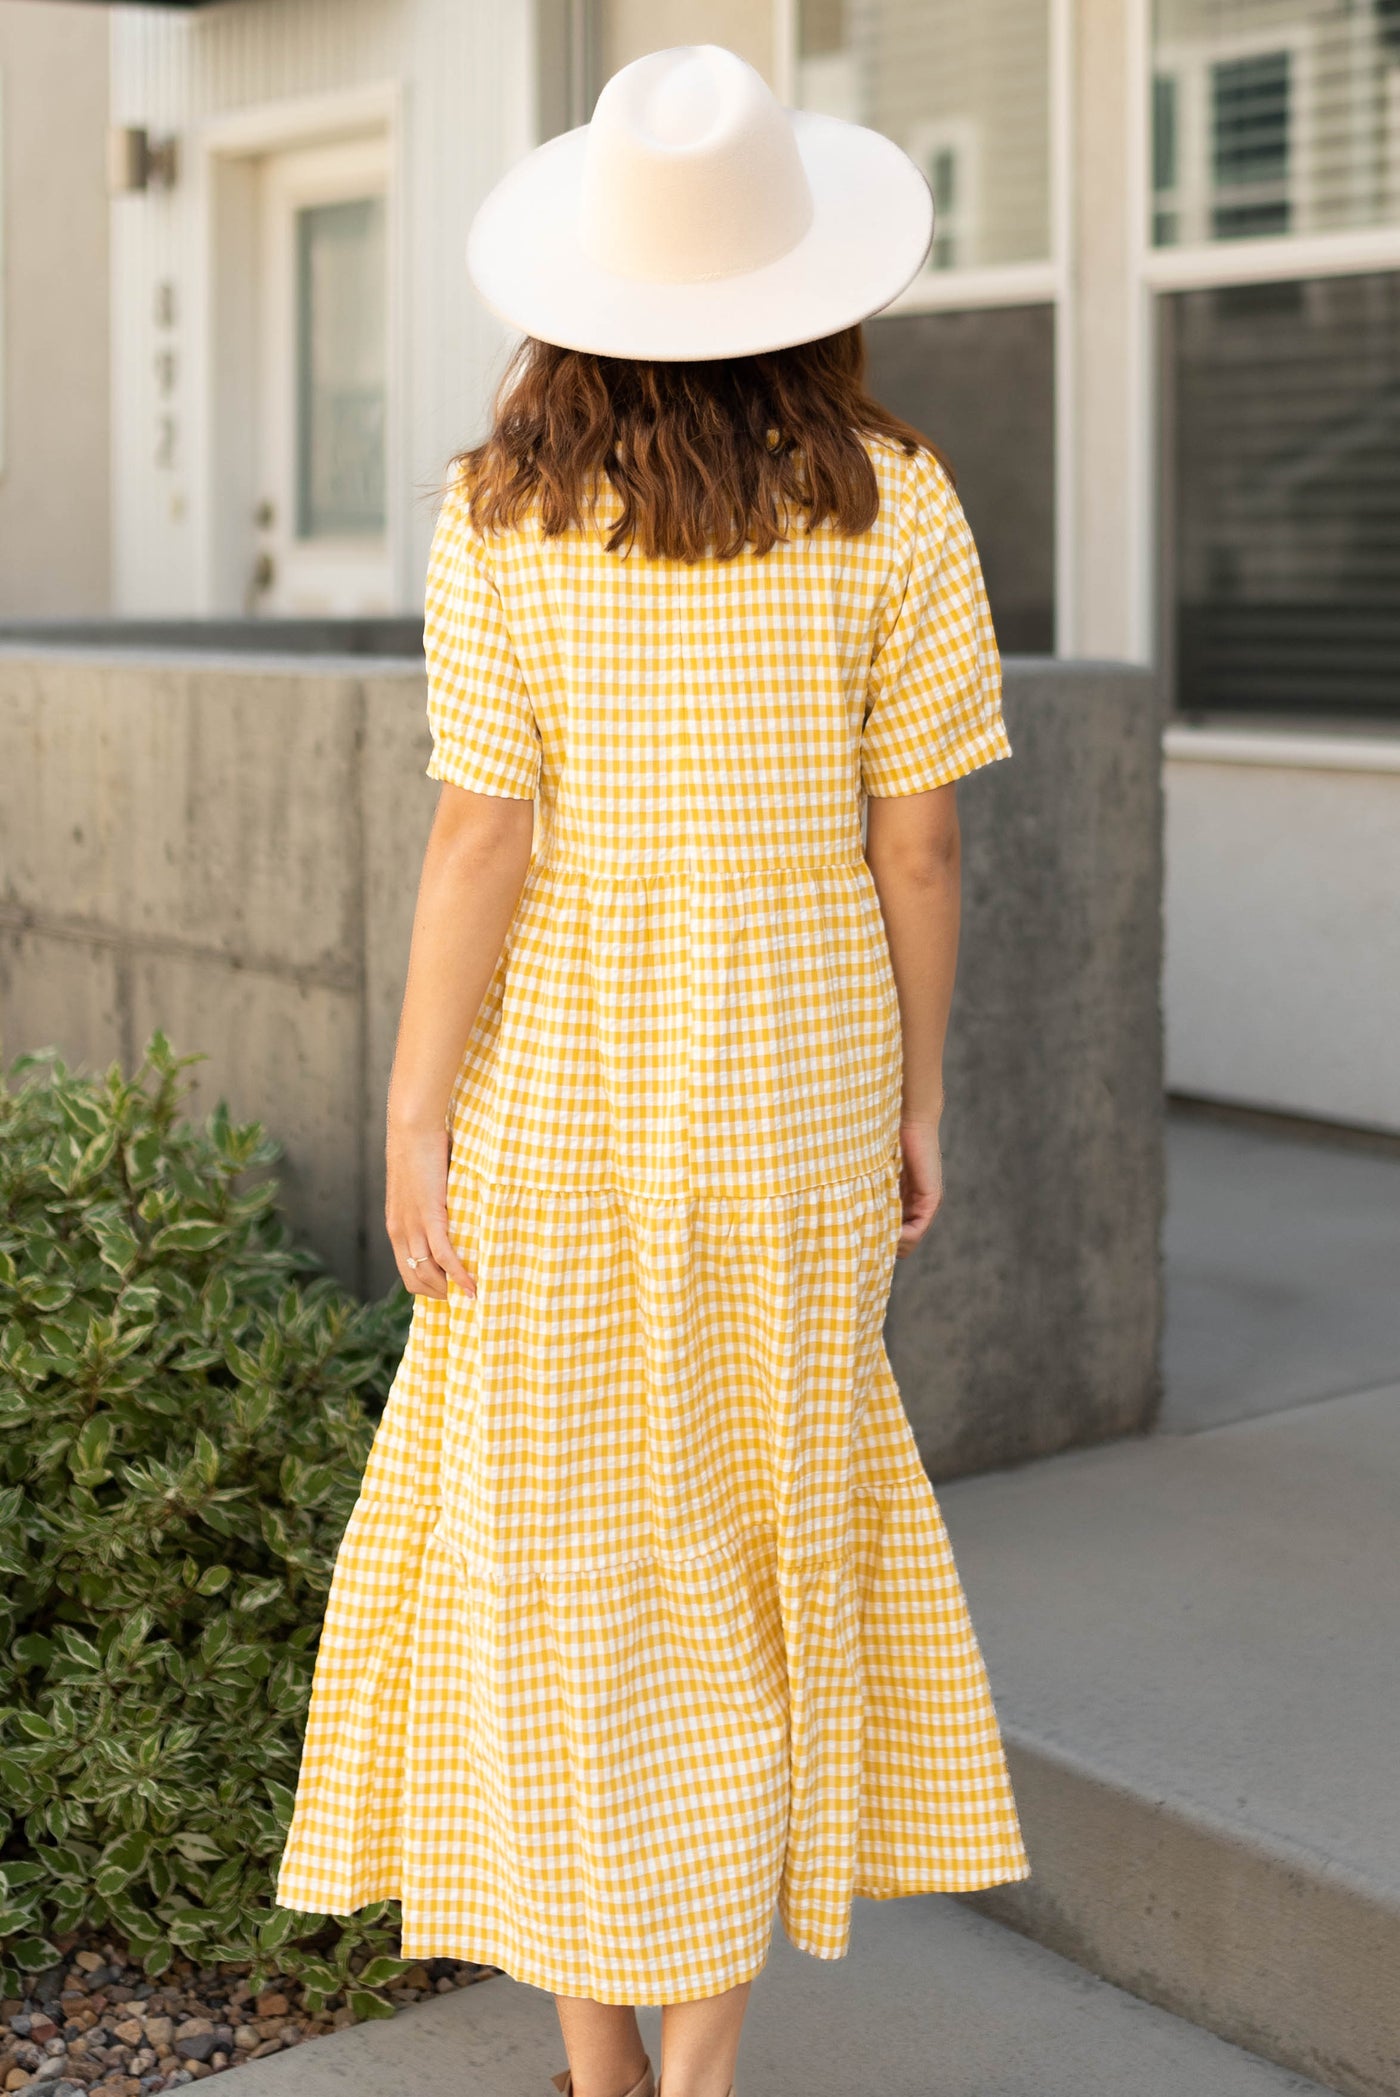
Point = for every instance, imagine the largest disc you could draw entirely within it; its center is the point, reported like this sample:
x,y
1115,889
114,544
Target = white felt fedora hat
x,y
696,217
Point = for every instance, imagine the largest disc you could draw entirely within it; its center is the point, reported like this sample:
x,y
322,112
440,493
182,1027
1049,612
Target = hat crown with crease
x,y
696,216
691,170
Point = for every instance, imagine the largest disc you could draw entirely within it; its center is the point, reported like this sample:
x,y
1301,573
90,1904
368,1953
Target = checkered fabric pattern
x,y
646,1626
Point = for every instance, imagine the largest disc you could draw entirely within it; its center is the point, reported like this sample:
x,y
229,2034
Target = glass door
x,y
321,523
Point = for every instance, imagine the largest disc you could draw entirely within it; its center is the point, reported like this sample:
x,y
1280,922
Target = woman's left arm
x,y
473,870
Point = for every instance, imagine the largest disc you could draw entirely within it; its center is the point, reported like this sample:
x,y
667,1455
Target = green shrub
x,y
186,1404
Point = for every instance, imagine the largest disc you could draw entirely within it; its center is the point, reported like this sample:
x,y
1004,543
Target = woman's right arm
x,y
474,868
913,850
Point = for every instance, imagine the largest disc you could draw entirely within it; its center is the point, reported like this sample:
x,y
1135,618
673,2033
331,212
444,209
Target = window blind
x,y
1283,464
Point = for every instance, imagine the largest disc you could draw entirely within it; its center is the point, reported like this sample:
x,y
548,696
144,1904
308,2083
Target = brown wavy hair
x,y
707,457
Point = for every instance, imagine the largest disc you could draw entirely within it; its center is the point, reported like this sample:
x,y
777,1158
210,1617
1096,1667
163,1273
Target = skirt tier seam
x,y
878,1490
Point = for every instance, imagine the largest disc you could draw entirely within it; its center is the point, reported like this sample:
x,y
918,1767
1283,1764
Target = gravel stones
x,y
97,2027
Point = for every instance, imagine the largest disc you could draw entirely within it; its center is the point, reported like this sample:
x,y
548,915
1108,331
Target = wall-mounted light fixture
x,y
136,161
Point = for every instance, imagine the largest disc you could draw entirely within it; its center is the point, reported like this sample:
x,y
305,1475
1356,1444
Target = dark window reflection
x,y
1282,470
1250,130
982,386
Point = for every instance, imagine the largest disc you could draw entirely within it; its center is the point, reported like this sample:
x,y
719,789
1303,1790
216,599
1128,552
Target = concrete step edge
x,y
1262,1941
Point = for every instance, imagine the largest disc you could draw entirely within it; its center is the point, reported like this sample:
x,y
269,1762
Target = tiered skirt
x,y
646,1626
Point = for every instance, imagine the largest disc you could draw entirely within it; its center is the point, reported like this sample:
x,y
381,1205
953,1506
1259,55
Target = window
x,y
341,368
947,153
1249,136
962,85
1165,161
1282,463
981,384
1271,120
1275,254
967,354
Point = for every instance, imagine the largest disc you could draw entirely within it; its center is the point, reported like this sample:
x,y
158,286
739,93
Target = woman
x,y
645,1621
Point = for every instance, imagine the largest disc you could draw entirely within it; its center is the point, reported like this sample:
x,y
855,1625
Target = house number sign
x,y
167,370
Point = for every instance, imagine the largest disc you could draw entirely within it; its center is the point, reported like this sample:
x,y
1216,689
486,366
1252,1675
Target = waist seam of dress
x,y
468,1169
715,867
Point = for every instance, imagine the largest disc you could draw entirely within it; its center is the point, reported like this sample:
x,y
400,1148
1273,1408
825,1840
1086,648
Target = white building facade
x,y
55,556
1157,337
295,349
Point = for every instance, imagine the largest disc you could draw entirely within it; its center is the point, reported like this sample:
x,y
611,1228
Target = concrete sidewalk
x,y
1282,1258
1194,1642
932,2001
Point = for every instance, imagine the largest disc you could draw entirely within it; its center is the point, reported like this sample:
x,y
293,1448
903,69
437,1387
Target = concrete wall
x,y
229,849
54,479
1282,980
1031,1320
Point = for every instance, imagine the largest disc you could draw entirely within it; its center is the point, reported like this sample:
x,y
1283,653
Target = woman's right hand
x,y
415,1211
920,1181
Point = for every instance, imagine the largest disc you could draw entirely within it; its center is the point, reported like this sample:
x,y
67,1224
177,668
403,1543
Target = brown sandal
x,y
645,2086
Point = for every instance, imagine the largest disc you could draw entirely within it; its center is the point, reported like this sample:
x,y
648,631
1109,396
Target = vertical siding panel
x,y
464,71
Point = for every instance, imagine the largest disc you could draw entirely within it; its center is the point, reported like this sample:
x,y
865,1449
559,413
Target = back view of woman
x,y
645,1625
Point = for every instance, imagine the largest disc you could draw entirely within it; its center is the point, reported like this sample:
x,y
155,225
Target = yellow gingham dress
x,y
646,1621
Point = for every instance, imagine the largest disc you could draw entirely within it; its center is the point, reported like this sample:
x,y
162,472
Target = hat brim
x,y
871,230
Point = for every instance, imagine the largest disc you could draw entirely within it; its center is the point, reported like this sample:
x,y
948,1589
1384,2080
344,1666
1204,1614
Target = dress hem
x,y
447,1945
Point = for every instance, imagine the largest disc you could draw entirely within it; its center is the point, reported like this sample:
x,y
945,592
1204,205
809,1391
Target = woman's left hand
x,y
415,1211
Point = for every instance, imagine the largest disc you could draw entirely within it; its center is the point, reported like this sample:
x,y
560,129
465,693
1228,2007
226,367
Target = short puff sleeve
x,y
933,702
485,737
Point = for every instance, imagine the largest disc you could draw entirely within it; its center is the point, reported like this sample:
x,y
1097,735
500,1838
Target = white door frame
x,y
226,154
